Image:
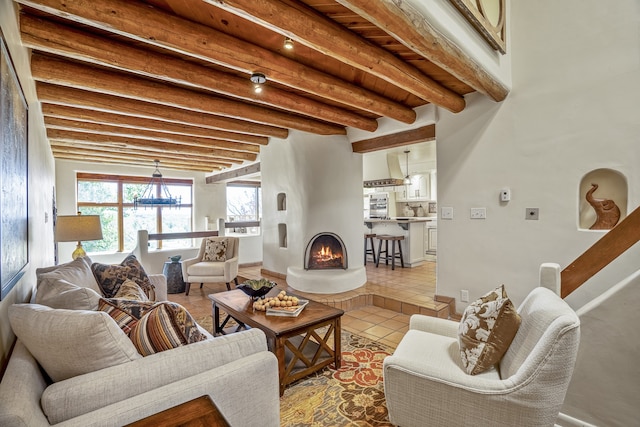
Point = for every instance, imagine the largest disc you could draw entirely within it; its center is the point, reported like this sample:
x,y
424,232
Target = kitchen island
x,y
413,230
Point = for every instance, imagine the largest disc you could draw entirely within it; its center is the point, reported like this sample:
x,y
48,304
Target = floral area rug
x,y
350,396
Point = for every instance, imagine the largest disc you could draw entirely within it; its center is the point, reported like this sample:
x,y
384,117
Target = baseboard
x,y
273,273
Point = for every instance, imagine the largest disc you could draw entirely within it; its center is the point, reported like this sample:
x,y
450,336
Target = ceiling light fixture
x,y
156,193
407,179
288,43
258,79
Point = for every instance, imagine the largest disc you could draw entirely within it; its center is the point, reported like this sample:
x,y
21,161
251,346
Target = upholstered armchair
x,y
217,261
425,384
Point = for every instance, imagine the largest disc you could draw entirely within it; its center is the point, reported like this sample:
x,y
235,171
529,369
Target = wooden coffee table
x,y
302,344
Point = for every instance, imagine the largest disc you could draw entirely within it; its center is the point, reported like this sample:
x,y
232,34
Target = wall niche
x,y
602,199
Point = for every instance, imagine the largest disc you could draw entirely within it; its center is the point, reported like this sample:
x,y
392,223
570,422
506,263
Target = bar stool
x,y
394,240
371,250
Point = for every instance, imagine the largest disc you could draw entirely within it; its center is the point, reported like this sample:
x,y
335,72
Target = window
x,y
111,197
244,203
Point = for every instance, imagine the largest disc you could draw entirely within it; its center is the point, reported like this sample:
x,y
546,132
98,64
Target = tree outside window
x,y
244,203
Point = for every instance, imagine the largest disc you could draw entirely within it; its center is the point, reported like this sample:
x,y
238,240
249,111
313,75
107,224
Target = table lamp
x,y
76,228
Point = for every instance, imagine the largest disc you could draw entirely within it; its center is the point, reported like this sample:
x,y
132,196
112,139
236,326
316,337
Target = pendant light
x,y
149,197
407,179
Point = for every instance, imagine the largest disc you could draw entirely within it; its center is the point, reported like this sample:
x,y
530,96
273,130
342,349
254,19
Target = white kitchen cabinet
x,y
432,239
418,191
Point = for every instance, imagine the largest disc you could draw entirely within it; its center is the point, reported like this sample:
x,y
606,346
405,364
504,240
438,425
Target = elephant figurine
x,y
608,213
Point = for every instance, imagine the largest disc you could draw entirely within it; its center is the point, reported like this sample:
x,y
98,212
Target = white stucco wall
x,y
41,178
322,179
573,108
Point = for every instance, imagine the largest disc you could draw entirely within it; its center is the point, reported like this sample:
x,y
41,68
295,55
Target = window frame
x,y
120,205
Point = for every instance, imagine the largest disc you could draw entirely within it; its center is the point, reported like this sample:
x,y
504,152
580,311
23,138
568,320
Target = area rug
x,y
350,396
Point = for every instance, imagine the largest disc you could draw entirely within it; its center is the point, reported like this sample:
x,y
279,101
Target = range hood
x,y
385,171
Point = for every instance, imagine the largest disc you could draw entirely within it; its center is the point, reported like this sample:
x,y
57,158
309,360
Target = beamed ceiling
x,y
126,82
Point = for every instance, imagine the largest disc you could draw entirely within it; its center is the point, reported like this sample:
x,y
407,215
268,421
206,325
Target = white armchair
x,y
197,270
425,383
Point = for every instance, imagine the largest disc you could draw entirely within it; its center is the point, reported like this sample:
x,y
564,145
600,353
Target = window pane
x,y
243,203
138,219
130,191
181,191
97,191
176,221
109,222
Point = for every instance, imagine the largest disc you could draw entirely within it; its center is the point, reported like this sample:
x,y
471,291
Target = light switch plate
x,y
446,212
478,213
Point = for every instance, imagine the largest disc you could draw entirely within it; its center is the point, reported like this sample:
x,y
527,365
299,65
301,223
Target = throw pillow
x,y
125,312
67,343
77,272
111,277
487,327
59,293
215,250
131,291
165,326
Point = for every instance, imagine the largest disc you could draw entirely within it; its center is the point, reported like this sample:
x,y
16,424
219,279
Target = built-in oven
x,y
379,205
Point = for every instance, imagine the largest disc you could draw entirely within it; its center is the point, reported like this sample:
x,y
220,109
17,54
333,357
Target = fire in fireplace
x,y
325,251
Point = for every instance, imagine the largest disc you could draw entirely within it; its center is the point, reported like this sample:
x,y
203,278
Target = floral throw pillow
x,y
111,277
486,330
215,250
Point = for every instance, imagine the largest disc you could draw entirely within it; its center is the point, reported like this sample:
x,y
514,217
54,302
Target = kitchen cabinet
x,y
431,237
418,191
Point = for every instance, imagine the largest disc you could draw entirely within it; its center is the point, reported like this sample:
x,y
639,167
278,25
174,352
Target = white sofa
x,y
236,371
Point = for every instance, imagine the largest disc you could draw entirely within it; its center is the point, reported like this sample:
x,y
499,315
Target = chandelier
x,y
151,198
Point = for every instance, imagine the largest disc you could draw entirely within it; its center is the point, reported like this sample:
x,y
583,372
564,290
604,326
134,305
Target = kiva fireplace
x,y
325,251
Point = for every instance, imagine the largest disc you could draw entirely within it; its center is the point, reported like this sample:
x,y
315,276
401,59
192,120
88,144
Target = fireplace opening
x,y
325,251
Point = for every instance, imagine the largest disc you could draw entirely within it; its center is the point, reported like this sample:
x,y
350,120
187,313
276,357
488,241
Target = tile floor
x,y
379,310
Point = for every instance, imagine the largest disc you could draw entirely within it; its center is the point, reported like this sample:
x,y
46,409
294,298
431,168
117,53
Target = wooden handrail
x,y
613,244
187,235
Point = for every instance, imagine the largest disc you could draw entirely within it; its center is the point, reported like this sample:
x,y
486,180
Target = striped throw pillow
x,y
165,326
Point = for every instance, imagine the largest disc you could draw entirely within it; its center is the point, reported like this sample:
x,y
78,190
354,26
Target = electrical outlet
x,y
464,295
478,213
531,213
446,213
505,194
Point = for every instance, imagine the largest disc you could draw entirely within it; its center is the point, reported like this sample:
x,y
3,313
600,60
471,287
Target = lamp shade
x,y
77,228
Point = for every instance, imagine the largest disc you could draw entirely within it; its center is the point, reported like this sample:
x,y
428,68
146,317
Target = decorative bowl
x,y
257,288
175,258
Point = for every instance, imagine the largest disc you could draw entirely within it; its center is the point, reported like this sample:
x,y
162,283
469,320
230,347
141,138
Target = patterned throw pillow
x,y
165,326
125,312
111,277
486,330
131,291
215,250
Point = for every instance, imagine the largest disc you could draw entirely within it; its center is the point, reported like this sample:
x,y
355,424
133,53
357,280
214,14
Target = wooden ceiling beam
x,y
101,117
155,146
141,153
403,22
318,32
398,139
146,24
105,129
50,37
234,173
66,73
61,95
107,159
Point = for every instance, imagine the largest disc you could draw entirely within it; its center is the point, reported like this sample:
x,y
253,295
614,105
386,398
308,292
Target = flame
x,y
326,254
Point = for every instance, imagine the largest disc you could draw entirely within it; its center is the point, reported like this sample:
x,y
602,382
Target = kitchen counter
x,y
413,230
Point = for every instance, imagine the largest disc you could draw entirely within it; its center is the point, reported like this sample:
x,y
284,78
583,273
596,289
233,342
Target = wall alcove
x,y
611,188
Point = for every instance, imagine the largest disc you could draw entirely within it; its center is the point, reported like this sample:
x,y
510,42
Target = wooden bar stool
x,y
371,250
394,240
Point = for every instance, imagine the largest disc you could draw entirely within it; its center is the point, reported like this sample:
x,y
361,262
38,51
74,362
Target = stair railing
x,y
613,244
